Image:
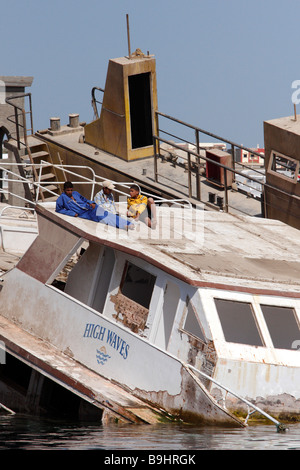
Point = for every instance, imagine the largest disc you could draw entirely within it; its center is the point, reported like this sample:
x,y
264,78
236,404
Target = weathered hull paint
x,y
147,350
108,349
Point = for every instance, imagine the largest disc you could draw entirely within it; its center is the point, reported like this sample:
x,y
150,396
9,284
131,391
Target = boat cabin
x,y
222,300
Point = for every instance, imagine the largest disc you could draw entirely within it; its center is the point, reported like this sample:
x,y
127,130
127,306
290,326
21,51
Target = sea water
x,y
19,432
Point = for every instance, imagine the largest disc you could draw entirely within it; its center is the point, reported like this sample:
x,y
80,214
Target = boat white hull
x,y
108,349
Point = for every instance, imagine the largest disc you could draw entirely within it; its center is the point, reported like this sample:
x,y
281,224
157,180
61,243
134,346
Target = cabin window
x,y
283,326
191,324
65,272
167,317
137,284
104,277
238,322
284,167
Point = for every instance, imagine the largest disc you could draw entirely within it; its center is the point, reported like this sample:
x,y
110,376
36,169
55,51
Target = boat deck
x,y
211,249
172,178
197,245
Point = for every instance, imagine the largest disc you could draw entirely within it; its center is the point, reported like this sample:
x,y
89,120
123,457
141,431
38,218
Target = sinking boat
x,y
197,320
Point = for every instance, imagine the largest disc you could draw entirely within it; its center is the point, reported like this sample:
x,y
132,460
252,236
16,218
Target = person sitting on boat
x,y
105,198
140,207
72,203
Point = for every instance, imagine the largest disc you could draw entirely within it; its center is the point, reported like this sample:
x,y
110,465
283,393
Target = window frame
x,y
295,315
273,154
123,278
254,317
239,350
188,302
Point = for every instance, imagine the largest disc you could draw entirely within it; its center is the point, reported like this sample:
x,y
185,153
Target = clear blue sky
x,y
223,65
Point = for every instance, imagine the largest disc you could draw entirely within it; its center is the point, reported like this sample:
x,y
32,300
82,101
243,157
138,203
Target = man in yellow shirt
x,y
140,207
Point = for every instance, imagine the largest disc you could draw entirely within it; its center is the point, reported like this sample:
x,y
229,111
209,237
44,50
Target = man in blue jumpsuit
x,y
72,203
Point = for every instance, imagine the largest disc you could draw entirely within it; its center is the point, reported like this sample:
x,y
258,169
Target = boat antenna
x,y
128,36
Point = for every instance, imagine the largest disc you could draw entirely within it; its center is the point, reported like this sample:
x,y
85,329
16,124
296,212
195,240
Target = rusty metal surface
x,y
111,132
282,194
47,251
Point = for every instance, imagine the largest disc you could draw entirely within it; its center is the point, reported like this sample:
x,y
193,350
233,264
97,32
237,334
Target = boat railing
x,y
14,207
16,178
158,199
19,118
96,179
251,407
198,131
95,101
199,155
6,409
260,180
93,180
77,178
189,154
67,169
195,168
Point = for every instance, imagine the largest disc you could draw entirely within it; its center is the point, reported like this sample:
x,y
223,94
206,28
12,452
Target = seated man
x,y
74,204
105,198
140,207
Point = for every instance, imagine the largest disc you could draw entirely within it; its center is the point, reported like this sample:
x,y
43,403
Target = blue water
x,y
27,433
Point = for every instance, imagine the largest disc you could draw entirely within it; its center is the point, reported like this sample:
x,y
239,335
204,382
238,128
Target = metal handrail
x,y
37,184
280,427
221,165
159,199
198,131
94,101
97,180
65,169
157,139
2,191
93,181
207,160
16,115
8,410
263,184
122,184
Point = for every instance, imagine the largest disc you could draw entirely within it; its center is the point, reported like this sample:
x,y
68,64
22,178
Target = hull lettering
x,y
108,336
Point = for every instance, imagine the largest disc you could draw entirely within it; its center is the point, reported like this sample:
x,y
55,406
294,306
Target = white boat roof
x,y
215,249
